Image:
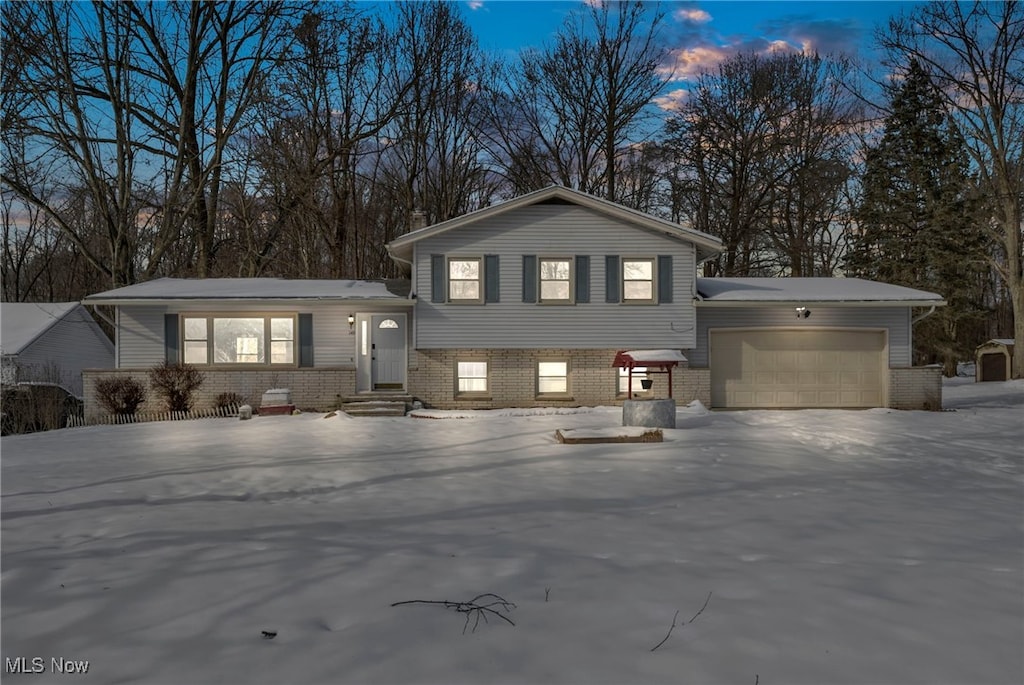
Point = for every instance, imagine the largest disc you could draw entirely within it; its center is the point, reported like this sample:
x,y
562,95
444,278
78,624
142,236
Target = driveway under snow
x,y
838,547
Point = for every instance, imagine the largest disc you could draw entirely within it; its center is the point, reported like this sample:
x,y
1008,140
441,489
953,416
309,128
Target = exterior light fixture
x,y
802,312
351,323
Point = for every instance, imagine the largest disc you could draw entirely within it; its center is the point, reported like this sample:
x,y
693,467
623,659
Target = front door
x,y
382,351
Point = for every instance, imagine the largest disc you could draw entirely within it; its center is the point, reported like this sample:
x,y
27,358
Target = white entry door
x,y
382,351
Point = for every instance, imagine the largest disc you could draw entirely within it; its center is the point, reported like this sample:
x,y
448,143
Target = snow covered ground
x,y
838,547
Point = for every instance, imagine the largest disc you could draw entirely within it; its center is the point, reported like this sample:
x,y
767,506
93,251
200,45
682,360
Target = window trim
x,y
234,314
473,394
653,299
571,280
479,299
567,394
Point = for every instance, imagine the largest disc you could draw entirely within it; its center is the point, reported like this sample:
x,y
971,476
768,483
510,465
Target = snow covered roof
x,y
22,322
998,341
163,289
706,244
655,355
805,290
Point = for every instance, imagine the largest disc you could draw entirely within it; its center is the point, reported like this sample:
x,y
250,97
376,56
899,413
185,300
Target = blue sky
x,y
509,25
700,34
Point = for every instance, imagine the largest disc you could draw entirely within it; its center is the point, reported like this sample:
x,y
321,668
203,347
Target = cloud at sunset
x,y
692,15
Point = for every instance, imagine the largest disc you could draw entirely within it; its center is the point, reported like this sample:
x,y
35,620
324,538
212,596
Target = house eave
x,y
818,302
227,301
707,246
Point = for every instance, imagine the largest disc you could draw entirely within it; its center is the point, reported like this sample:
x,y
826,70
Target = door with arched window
x,y
382,351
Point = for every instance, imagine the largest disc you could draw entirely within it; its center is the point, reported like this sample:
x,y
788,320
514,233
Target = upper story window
x,y
556,279
464,280
638,280
245,339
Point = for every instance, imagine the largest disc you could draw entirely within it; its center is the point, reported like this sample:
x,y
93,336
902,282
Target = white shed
x,y
51,342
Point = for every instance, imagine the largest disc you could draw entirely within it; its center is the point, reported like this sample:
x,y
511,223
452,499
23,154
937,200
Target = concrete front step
x,y
374,408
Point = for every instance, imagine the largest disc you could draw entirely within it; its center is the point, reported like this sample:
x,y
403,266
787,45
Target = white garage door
x,y
798,368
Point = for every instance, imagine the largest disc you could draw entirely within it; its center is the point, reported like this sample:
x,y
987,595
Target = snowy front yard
x,y
839,547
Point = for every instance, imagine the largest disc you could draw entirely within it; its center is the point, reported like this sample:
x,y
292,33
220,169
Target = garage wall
x,y
896,320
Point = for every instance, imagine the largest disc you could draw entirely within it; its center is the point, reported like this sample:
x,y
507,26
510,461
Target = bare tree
x,y
569,113
974,53
74,87
762,147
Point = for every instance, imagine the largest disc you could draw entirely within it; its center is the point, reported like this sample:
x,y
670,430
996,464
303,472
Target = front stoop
x,y
376,404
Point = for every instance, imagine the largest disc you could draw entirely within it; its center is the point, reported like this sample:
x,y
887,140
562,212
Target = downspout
x,y
924,316
412,284
97,312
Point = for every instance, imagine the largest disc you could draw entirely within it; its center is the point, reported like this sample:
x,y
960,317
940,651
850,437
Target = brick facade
x,y
512,382
310,388
916,388
512,379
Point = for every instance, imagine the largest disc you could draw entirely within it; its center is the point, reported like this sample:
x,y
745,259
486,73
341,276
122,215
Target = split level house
x,y
526,303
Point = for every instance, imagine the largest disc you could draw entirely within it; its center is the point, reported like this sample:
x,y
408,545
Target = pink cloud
x,y
672,101
686,63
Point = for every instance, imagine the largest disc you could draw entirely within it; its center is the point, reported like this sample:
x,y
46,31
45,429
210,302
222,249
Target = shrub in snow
x,y
176,383
120,394
228,401
244,412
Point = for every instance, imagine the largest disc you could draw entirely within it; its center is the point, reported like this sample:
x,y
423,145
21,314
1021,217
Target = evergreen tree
x,y
916,219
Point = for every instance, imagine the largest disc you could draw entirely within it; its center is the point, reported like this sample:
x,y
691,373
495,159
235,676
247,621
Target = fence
x,y
75,421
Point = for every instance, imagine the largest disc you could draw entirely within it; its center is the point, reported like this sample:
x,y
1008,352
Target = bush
x,y
120,394
228,401
175,383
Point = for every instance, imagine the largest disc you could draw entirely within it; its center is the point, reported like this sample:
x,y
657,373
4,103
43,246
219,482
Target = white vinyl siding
x,y
554,230
74,343
141,337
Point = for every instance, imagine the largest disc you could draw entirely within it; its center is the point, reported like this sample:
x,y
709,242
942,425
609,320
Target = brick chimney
x,y
417,220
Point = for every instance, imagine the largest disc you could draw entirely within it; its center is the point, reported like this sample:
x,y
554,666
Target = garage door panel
x,y
792,368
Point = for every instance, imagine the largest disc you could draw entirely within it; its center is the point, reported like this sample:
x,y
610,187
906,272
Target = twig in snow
x,y
473,608
672,627
547,593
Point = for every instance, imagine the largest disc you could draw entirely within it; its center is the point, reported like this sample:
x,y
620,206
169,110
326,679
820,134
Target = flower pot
x,y
646,383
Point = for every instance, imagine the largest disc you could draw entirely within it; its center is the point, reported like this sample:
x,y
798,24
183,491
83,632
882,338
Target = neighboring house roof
x,y
707,245
21,323
740,291
998,341
241,289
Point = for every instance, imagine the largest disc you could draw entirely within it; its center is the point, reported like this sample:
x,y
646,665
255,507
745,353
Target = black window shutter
x,y
529,278
437,279
172,341
305,340
611,278
665,278
582,278
491,281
